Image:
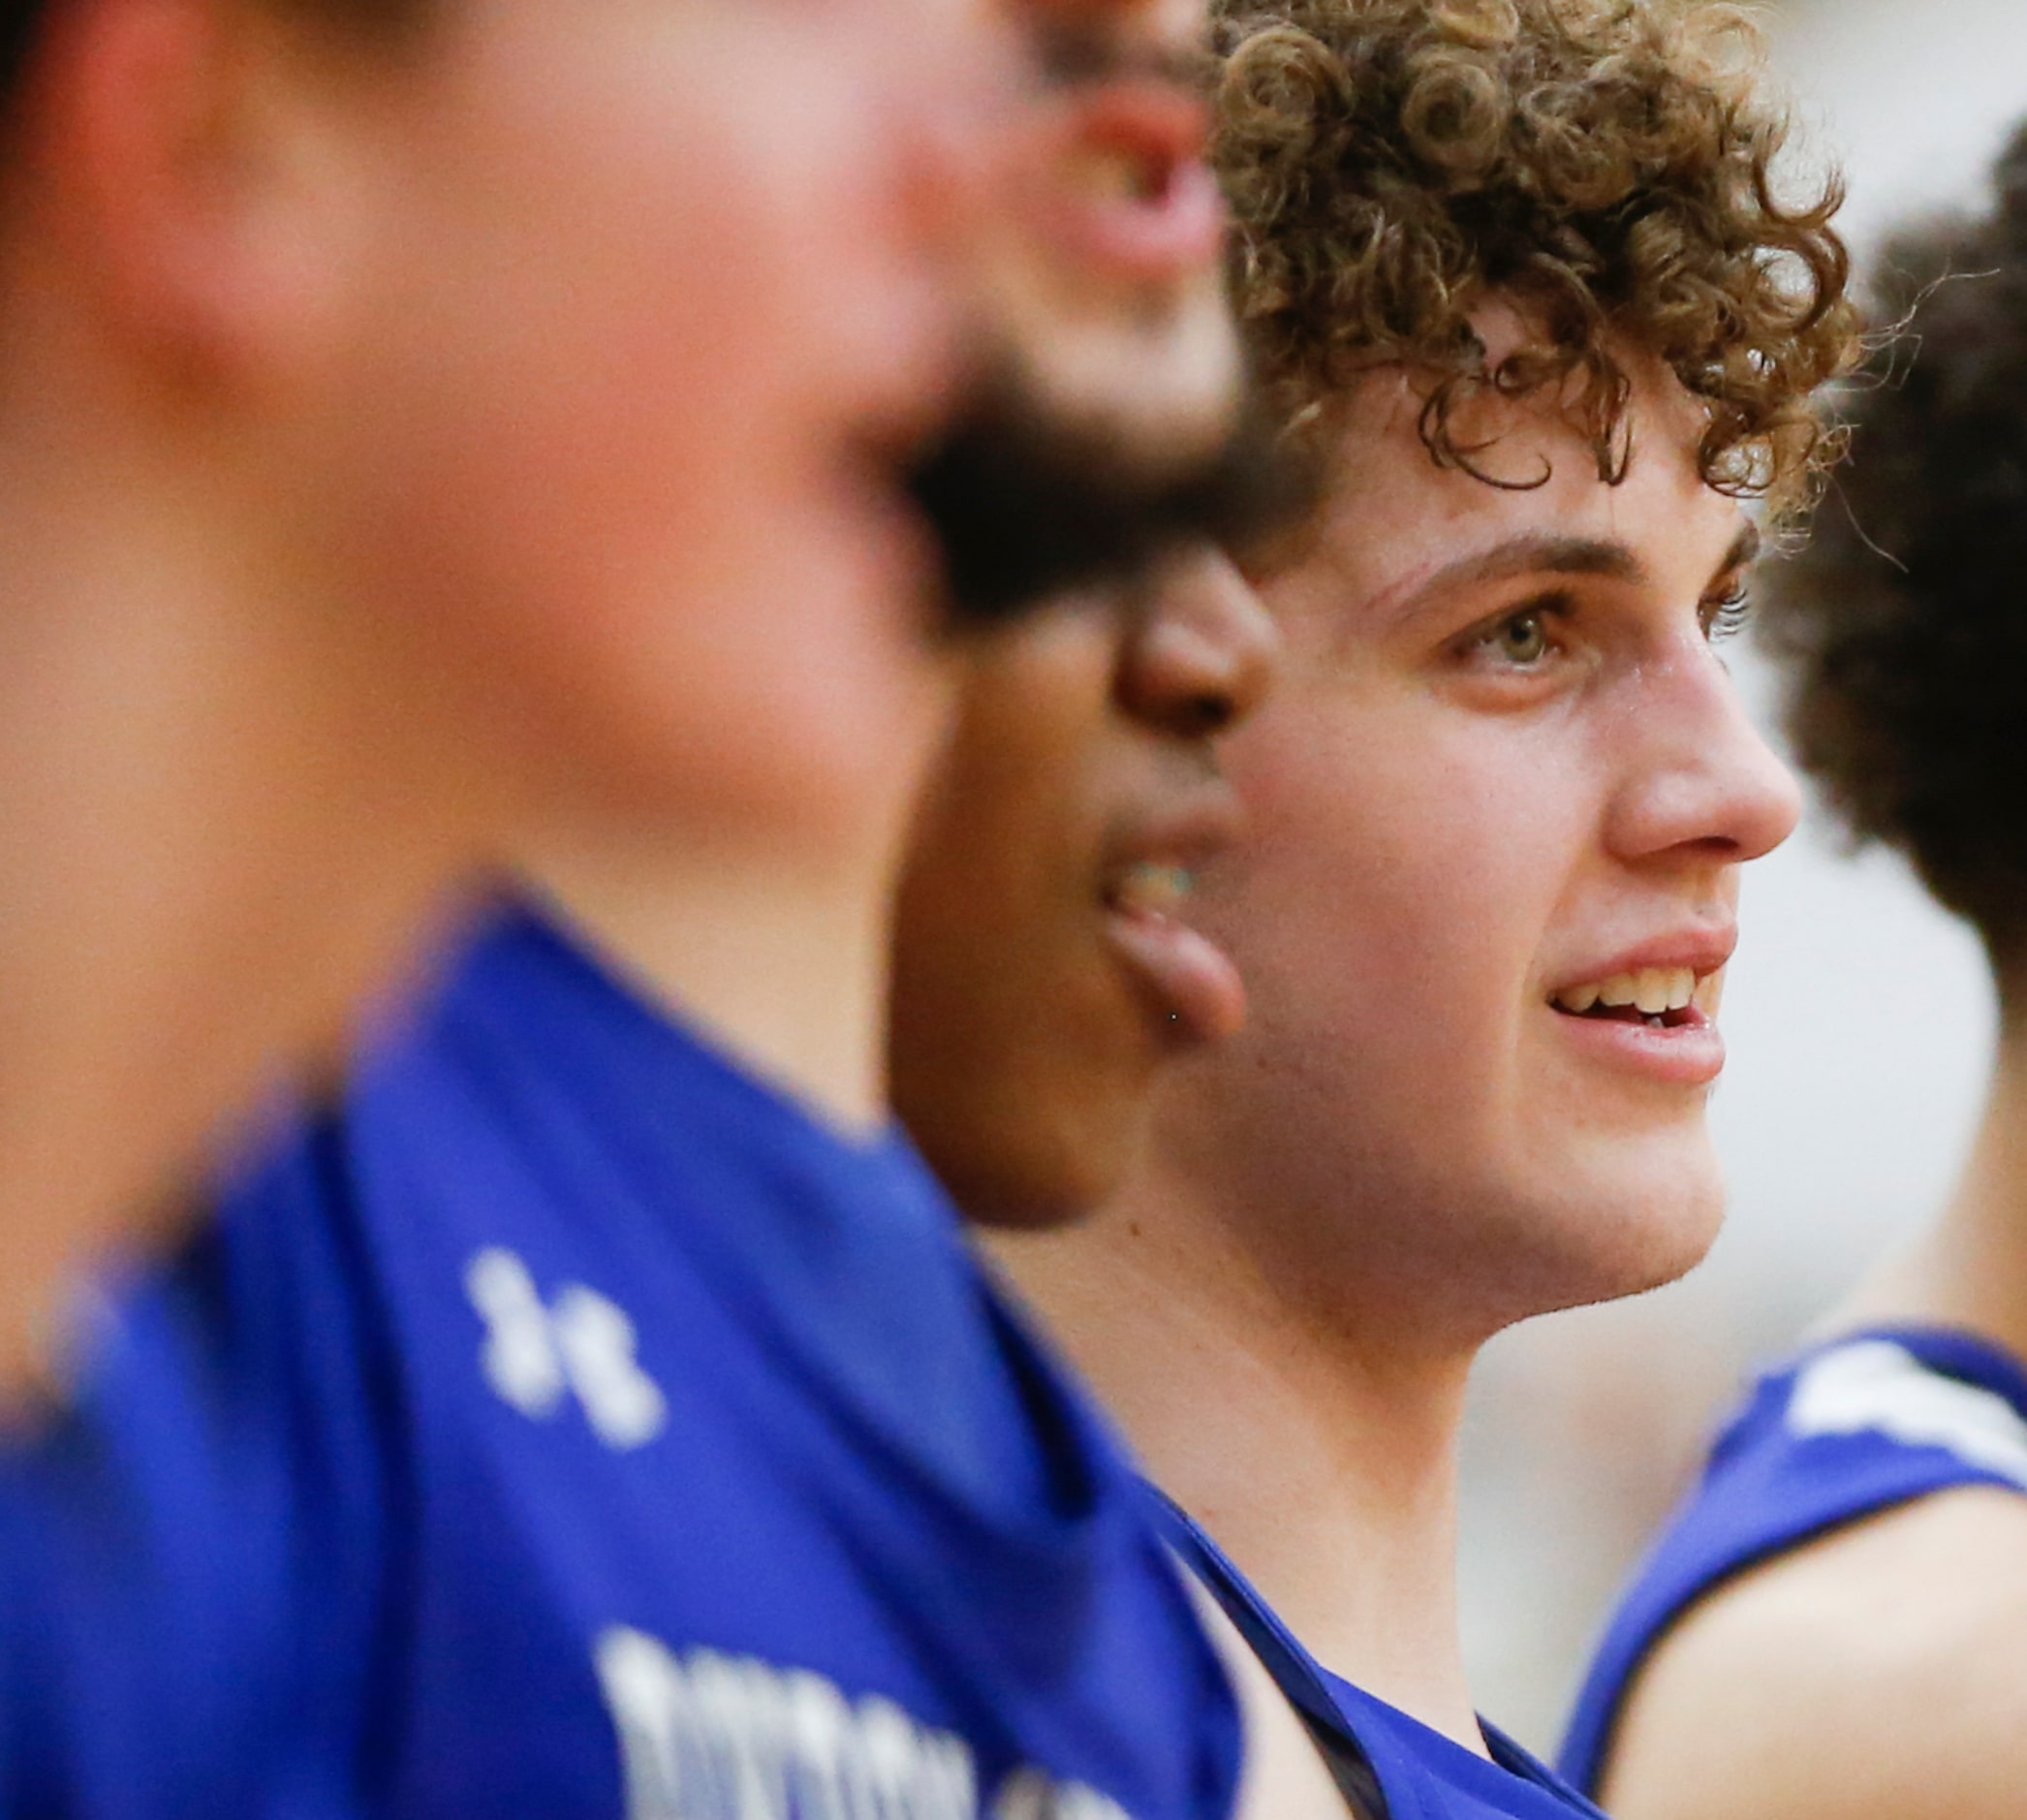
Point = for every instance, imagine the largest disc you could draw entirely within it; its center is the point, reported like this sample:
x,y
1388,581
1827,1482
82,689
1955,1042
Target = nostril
x,y
1211,713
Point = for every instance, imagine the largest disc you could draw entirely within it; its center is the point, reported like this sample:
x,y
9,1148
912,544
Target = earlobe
x,y
181,145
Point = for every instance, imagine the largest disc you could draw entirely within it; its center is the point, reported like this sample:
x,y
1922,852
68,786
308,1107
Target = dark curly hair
x,y
1605,163
1904,625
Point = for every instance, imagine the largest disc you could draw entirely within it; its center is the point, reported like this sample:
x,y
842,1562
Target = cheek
x,y
643,337
611,448
1000,902
1400,877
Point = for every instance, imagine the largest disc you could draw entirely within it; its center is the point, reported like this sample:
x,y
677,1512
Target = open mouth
x,y
1191,989
1660,998
1128,173
1131,191
1150,888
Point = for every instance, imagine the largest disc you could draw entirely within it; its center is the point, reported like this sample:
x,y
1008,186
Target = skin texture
x,y
1878,1669
1024,1040
564,411
1502,755
362,422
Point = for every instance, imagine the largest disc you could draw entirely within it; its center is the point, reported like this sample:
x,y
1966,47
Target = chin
x,y
1647,1219
1158,399
1193,394
1045,1173
1038,1195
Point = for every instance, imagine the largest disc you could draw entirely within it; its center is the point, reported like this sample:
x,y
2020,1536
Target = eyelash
x,y
1728,612
1723,615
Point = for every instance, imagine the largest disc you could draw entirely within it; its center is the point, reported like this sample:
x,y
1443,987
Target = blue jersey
x,y
1846,1428
574,1426
1415,1772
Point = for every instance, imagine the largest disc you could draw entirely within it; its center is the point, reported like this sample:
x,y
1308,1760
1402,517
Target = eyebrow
x,y
1547,554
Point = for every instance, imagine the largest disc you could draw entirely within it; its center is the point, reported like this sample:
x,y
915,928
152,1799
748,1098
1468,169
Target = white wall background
x,y
1859,1019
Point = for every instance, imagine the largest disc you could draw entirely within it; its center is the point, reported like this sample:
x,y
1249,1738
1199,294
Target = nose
x,y
1704,782
1204,649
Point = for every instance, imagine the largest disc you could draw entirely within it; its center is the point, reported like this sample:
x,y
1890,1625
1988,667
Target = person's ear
x,y
194,160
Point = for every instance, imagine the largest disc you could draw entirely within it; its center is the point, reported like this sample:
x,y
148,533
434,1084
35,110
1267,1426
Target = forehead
x,y
1393,523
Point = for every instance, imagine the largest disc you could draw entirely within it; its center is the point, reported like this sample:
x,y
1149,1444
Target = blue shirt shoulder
x,y
1415,1772
1844,1429
193,1554
575,1425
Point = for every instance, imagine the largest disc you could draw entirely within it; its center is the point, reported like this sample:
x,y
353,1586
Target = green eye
x,y
1522,638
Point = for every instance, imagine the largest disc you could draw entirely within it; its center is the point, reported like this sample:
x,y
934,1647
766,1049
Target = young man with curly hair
x,y
1829,1626
1520,270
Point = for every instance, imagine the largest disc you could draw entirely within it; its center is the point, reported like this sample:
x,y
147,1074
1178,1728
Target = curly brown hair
x,y
1608,165
1902,626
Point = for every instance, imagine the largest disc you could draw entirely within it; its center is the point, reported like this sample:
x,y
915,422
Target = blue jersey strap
x,y
1294,1671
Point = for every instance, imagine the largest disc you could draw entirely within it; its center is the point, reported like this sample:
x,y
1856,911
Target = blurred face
x,y
655,301
1106,279
1496,815
1111,425
1044,966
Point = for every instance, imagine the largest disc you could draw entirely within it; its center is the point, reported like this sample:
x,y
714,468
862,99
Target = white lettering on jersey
x,y
1876,1385
534,1351
519,1356
1029,1795
710,1737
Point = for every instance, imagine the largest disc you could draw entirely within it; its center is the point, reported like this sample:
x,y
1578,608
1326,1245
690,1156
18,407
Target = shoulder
x,y
1880,1668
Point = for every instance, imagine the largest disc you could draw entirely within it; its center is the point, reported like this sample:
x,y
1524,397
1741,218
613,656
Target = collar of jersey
x,y
869,1214
1338,1705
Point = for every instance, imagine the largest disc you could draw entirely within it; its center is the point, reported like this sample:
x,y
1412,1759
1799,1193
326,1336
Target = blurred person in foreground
x,y
1519,270
419,423
595,1408
1829,1625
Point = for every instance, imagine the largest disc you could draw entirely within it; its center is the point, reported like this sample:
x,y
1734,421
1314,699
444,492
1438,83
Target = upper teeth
x,y
1154,886
1651,991
1106,174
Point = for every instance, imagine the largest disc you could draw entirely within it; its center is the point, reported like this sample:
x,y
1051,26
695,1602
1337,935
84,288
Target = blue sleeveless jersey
x,y
1420,1774
572,1427
1846,1428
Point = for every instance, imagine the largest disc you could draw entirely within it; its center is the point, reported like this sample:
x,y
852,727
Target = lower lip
x,y
1687,1055
1195,992
1161,240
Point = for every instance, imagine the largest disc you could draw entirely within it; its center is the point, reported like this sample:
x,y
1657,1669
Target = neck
x,y
1321,1454
1970,1269
219,826
784,963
